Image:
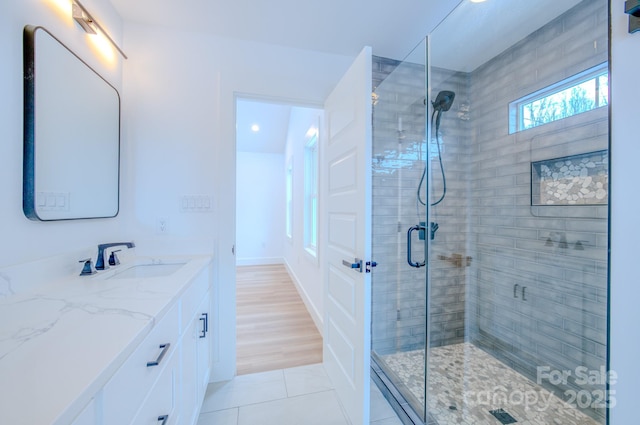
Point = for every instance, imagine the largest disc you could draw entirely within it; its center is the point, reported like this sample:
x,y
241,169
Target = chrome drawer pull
x,y
163,418
165,348
205,325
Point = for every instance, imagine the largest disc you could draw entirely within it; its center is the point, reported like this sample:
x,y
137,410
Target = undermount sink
x,y
147,270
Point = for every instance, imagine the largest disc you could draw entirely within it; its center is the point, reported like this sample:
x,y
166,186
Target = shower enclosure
x,y
490,209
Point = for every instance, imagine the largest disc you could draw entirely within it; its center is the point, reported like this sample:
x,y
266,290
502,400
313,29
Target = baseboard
x,y
311,308
259,261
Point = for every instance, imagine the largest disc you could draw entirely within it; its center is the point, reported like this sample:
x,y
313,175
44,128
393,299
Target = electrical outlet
x,y
162,225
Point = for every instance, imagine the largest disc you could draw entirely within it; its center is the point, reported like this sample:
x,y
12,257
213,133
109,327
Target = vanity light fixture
x,y
89,24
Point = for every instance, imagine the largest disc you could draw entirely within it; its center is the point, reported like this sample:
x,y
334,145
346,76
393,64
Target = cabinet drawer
x,y
127,389
193,296
160,406
204,350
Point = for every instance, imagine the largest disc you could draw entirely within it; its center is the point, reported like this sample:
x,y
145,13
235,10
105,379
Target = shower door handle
x,y
409,259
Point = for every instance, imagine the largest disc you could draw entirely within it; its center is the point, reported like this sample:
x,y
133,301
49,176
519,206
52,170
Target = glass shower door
x,y
399,291
518,267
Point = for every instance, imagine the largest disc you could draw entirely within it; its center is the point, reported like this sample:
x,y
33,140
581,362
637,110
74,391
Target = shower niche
x,y
571,180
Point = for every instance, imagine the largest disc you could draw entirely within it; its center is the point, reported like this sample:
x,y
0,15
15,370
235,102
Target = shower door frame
x,y
609,392
404,408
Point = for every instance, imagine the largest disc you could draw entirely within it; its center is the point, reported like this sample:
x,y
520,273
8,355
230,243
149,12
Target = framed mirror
x,y
71,159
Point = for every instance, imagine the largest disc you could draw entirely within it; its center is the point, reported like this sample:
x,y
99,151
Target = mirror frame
x,y
29,197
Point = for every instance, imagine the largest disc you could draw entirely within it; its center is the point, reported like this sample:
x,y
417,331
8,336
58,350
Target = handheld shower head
x,y
443,101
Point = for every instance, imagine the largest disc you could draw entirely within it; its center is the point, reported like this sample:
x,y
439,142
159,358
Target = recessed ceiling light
x,y
255,128
478,1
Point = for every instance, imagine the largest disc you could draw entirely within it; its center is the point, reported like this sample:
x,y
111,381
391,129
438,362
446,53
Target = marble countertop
x,y
61,342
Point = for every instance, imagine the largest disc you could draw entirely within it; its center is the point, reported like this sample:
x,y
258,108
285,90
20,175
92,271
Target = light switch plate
x,y
196,203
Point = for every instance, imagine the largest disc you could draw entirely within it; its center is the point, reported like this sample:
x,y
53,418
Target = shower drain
x,y
503,416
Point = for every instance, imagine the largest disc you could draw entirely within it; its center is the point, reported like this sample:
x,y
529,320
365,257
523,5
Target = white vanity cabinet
x,y
205,347
160,406
164,380
129,345
126,391
196,350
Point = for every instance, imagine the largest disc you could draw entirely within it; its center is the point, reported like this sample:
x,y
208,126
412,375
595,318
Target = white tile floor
x,y
296,396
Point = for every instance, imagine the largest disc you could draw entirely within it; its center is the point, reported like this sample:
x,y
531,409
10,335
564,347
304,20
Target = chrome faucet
x,y
100,264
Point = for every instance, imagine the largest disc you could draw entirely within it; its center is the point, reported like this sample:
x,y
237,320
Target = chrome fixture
x,y
113,258
100,265
87,269
457,260
420,228
89,24
441,104
360,265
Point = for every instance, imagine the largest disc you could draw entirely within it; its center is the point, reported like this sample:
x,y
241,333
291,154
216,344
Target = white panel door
x,y
346,165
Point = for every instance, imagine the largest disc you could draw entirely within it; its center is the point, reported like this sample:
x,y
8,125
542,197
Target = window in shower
x,y
311,195
579,93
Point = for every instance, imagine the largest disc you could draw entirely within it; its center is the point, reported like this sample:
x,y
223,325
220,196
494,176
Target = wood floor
x,y
274,328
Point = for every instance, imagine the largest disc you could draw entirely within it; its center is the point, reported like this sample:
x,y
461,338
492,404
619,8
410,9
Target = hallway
x,y
274,329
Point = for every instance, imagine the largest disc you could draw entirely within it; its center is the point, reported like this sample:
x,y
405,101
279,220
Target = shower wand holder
x,y
433,228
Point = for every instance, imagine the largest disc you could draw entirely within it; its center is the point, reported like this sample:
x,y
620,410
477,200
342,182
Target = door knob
x,y
356,265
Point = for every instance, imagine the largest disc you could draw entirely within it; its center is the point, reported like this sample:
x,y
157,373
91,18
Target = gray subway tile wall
x,y
562,323
397,171
559,253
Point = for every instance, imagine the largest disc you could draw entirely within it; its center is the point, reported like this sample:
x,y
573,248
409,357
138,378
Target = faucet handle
x,y
113,258
87,269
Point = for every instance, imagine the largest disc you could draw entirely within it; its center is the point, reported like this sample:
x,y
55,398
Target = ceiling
x,y
342,27
494,28
272,120
391,27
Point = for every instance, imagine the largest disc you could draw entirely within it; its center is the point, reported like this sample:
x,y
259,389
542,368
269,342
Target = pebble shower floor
x,y
467,384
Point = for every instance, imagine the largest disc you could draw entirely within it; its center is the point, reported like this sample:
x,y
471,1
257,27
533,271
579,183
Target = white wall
x,y
26,240
180,91
260,208
625,214
304,268
178,138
